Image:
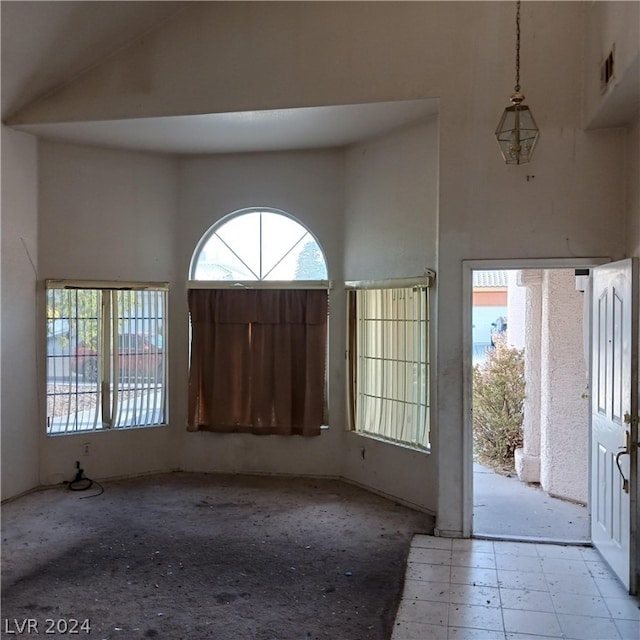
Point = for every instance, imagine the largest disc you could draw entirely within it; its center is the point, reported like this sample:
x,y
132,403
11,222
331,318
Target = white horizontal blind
x,y
392,364
106,357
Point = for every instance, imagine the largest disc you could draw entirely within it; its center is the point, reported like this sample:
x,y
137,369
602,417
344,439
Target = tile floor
x,y
495,590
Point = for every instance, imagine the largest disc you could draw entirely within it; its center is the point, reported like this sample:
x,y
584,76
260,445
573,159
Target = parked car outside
x,y
138,356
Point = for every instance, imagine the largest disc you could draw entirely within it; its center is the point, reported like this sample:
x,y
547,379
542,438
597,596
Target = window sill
x,y
394,443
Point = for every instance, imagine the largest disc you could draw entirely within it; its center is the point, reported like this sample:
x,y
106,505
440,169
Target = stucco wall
x,y
19,364
564,411
516,309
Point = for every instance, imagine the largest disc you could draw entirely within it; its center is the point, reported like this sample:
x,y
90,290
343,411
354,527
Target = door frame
x,y
468,267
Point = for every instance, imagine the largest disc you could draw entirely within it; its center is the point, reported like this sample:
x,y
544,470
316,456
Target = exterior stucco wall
x,y
564,409
556,409
528,457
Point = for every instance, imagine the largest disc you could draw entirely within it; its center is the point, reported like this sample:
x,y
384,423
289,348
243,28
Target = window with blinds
x,y
389,360
106,356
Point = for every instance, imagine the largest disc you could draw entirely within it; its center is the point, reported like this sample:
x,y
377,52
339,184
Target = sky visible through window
x,y
260,245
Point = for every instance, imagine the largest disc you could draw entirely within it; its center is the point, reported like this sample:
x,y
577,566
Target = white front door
x,y
614,410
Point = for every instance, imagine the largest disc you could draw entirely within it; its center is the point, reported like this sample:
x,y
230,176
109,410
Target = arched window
x,y
258,303
258,244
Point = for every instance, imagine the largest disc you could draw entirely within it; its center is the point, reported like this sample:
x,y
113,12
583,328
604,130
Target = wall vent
x,y
606,71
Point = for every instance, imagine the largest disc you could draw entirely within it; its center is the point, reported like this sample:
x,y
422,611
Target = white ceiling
x,y
46,45
277,130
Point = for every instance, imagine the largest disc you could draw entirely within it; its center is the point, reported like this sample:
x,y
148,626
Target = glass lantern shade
x,y
517,134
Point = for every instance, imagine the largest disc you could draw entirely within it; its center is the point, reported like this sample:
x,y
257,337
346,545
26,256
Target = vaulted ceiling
x,y
47,45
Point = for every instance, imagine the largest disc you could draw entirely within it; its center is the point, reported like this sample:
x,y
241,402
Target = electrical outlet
x,y
85,449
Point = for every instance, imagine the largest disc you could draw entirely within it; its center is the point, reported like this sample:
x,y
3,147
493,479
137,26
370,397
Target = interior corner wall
x,y
391,221
105,215
309,186
391,229
19,366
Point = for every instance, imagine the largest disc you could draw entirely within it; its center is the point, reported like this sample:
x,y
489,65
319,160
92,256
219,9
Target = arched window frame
x,y
292,284
194,283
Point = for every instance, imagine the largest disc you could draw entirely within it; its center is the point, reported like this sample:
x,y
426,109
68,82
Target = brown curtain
x,y
257,361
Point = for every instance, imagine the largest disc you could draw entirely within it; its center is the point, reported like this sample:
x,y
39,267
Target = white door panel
x,y
614,437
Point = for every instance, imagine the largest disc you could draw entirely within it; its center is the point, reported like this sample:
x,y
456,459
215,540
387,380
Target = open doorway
x,y
528,325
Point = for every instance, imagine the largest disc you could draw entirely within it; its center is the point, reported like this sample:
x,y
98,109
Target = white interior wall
x,y
569,201
105,215
611,27
391,222
391,227
19,262
309,186
101,199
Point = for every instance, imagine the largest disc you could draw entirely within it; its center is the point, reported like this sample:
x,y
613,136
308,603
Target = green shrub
x,y
498,406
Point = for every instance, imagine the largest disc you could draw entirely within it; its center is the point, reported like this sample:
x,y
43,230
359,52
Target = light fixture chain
x,y
517,87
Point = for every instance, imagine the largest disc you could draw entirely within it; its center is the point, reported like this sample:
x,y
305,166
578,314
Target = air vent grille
x,y
606,71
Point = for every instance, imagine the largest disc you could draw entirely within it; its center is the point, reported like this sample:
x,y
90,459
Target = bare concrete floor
x,y
505,507
193,556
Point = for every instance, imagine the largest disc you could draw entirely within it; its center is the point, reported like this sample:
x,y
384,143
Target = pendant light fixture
x,y
517,132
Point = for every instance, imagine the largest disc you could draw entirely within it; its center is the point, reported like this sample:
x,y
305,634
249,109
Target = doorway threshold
x,y
532,539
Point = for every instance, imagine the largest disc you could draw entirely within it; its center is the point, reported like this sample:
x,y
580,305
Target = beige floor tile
x,y
428,572
474,576
560,565
522,580
435,613
490,590
418,631
430,556
431,542
477,559
432,591
519,563
583,627
472,544
478,595
532,622
567,583
526,599
475,617
573,604
559,551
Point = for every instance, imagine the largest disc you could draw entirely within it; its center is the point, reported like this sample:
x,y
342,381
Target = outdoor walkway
x,y
508,508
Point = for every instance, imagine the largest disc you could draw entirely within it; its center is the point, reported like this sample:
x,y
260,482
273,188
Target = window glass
x,y
389,363
106,368
259,245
